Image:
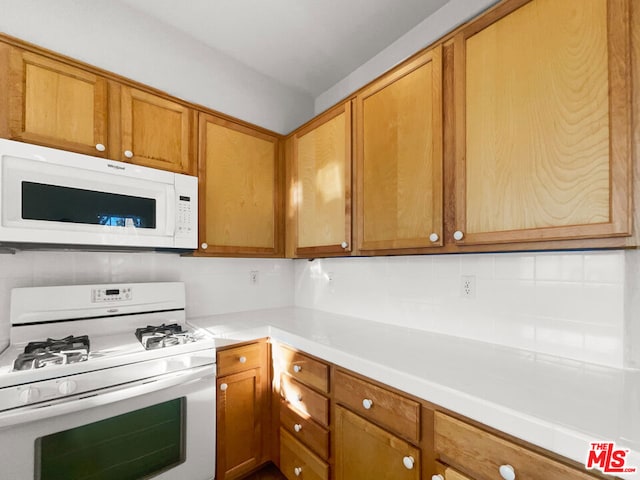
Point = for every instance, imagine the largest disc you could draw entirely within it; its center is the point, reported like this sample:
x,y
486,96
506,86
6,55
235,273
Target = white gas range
x,y
106,381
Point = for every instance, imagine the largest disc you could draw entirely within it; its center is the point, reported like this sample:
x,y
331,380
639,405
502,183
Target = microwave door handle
x,y
171,210
87,400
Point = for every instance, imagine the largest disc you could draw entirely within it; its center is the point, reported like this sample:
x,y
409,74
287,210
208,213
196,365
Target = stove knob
x,y
29,395
67,387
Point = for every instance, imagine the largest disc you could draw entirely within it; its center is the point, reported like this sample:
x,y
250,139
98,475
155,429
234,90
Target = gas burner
x,y
53,352
152,337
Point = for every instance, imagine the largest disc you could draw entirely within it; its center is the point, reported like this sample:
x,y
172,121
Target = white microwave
x,y
54,197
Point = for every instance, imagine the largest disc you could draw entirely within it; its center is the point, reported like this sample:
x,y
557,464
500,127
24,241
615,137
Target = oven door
x,y
163,428
47,202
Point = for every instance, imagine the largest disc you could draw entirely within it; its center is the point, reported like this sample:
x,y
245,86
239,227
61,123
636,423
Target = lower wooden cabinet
x,y
298,462
364,450
242,410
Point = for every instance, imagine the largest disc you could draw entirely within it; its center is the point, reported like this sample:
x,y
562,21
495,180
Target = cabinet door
x,y
239,170
543,122
322,179
239,423
363,450
54,104
156,132
399,157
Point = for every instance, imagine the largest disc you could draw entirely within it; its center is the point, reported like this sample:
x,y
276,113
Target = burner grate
x,y
51,351
152,337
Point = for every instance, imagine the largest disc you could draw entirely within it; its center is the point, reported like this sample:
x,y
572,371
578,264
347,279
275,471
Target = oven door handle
x,y
106,396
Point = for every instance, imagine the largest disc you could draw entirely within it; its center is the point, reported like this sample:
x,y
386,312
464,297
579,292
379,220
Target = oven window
x,y
127,447
64,204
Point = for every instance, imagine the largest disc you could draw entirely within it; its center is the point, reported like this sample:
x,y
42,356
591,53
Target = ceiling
x,y
308,45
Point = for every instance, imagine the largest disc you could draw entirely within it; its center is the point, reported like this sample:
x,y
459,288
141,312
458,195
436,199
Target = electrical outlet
x,y
468,286
253,277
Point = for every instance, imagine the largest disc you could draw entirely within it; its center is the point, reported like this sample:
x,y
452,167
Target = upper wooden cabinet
x,y
399,157
240,189
51,103
543,132
321,169
155,131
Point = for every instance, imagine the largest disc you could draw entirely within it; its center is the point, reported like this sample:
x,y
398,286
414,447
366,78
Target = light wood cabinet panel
x,y
364,450
239,170
386,408
448,473
156,132
322,183
543,127
297,462
51,103
399,157
240,358
481,454
243,414
303,368
305,400
305,429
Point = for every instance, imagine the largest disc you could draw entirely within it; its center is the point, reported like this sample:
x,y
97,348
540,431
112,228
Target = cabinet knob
x,y
408,462
297,471
458,235
344,245
204,245
223,387
297,368
437,477
367,403
128,153
242,359
434,237
297,427
100,147
507,472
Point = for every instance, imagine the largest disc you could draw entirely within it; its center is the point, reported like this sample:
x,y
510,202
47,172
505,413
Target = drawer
x,y
297,462
448,473
481,454
393,411
307,431
305,369
304,399
239,359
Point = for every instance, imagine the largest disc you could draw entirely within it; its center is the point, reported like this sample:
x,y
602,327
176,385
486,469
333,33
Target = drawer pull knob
x,y
408,462
437,477
507,472
297,471
434,237
128,153
297,427
458,235
344,245
204,245
223,387
367,403
100,147
242,359
297,368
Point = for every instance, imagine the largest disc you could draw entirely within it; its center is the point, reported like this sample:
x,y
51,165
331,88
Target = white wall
x,y
446,19
213,285
568,304
114,37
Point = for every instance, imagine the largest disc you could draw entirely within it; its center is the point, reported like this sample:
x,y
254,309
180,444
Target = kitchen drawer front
x,y
481,454
388,409
304,399
297,462
448,473
307,431
305,369
239,359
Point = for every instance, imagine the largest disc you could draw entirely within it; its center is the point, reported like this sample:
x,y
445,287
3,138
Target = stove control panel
x,y
111,294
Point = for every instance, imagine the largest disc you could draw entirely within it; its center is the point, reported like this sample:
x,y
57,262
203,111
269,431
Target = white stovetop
x,y
558,404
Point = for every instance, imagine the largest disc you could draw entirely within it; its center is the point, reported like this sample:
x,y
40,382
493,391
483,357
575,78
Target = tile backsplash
x,y
213,285
570,304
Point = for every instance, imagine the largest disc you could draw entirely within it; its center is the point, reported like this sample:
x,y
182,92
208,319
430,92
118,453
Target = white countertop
x,y
558,404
